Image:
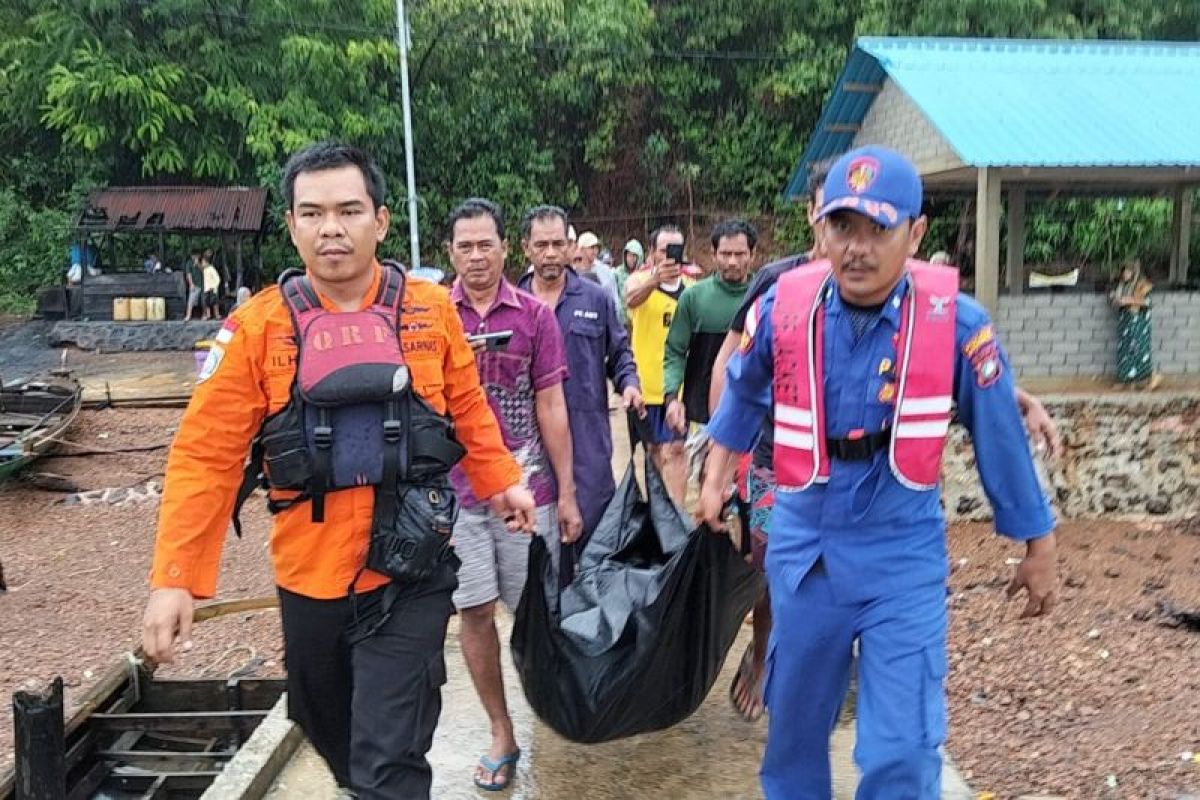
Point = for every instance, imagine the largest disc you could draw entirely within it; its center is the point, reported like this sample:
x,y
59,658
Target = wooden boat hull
x,y
33,416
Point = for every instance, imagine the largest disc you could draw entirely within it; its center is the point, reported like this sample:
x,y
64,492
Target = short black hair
x,y
543,212
327,155
734,227
660,230
472,208
816,181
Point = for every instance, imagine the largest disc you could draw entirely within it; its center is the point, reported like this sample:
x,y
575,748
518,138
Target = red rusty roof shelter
x,y
210,210
225,216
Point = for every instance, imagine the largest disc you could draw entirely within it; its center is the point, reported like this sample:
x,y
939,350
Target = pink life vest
x,y
924,376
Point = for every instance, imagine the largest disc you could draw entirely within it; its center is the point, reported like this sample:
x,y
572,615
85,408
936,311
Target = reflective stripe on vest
x,y
923,385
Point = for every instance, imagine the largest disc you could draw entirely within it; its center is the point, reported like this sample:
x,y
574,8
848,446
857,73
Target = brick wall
x,y
895,121
1063,335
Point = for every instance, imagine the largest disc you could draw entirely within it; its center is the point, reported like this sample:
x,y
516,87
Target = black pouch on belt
x,y
414,517
410,541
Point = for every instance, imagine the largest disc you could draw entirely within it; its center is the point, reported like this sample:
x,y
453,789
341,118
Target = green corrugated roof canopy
x,y
1040,115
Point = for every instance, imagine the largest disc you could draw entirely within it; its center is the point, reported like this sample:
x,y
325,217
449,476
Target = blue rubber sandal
x,y
493,767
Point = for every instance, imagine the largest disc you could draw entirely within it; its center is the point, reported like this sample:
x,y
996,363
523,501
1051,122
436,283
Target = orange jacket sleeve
x,y
488,465
204,467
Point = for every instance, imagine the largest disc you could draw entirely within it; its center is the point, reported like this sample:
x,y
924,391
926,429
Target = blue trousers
x,y
901,695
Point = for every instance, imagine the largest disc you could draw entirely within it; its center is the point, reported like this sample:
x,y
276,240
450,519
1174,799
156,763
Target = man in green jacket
x,y
698,329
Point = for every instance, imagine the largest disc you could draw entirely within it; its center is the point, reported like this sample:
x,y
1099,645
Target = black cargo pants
x,y
370,704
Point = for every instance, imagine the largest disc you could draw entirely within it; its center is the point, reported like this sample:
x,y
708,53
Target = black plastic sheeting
x,y
635,642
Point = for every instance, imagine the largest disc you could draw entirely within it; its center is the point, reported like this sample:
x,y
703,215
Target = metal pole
x,y
402,43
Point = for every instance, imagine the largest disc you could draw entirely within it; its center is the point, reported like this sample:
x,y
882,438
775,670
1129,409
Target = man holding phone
x,y
522,367
652,296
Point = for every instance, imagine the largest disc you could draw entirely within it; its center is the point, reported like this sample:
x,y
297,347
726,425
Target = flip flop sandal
x,y
494,767
742,676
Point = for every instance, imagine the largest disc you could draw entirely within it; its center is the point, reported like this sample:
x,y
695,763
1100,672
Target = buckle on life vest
x,y
391,430
858,445
322,436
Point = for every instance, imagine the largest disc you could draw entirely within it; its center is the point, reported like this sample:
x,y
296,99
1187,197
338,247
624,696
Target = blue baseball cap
x,y
876,182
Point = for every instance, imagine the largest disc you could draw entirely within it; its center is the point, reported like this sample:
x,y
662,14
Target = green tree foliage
x,y
623,110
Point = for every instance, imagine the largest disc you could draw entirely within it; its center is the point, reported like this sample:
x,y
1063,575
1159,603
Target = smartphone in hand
x,y
675,253
497,340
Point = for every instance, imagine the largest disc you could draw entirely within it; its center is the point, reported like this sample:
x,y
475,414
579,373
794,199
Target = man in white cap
x,y
589,246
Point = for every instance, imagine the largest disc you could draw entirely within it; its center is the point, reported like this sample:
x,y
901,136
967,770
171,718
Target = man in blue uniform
x,y
597,347
858,546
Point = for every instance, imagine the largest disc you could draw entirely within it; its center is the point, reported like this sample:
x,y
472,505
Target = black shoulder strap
x,y
297,292
251,479
391,287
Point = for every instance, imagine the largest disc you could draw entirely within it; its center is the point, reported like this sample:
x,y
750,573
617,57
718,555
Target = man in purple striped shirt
x,y
523,378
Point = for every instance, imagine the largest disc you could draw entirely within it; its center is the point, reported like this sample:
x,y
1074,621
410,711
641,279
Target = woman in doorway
x,y
1131,299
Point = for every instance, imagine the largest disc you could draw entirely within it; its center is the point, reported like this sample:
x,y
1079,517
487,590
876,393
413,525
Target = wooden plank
x,y
38,736
1015,252
251,773
209,695
165,755
140,781
203,722
85,788
987,239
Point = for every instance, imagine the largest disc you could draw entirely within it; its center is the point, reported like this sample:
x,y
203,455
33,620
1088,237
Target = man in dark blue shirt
x,y
597,346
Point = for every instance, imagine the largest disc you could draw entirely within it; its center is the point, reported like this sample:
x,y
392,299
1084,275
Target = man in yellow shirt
x,y
651,296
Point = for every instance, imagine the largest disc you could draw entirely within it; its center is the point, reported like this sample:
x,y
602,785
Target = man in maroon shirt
x,y
523,378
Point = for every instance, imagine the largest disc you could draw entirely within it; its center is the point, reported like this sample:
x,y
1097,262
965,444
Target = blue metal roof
x,y
1028,103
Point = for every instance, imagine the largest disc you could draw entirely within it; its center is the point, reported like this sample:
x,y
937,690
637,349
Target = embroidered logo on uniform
x,y
987,364
887,393
215,355
872,208
981,337
579,312
885,366
862,173
938,305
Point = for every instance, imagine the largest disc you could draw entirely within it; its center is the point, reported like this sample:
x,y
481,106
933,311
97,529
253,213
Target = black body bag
x,y
635,642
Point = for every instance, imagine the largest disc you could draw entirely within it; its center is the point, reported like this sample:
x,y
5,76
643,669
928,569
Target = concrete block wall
x,y
1068,335
895,120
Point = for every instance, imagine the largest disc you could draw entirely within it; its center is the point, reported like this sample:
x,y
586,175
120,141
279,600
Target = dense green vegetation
x,y
627,111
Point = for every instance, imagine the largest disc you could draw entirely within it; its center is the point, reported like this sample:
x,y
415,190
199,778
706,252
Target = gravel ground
x,y
1105,692
1099,700
77,574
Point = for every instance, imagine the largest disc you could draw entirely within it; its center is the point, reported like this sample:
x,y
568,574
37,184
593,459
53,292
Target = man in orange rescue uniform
x,y
364,653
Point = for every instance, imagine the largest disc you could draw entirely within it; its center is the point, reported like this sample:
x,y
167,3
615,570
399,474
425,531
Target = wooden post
x,y
41,759
1181,235
1015,256
987,238
240,273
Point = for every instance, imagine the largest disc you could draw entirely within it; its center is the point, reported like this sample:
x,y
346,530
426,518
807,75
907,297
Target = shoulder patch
x,y
750,328
228,329
979,340
216,354
987,365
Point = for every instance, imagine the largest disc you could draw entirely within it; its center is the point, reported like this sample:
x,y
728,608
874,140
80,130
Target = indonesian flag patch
x,y
225,335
